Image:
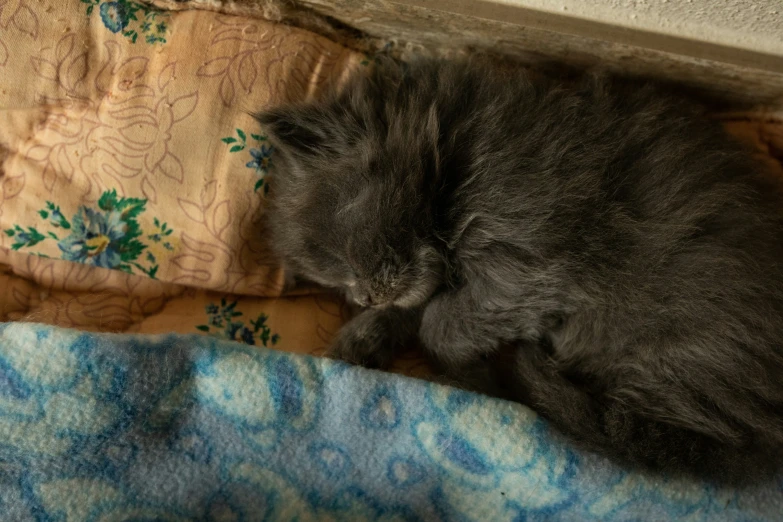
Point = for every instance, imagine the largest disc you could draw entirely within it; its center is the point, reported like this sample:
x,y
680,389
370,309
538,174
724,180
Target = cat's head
x,y
349,199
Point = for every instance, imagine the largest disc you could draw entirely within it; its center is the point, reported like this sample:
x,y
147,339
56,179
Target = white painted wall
x,y
755,25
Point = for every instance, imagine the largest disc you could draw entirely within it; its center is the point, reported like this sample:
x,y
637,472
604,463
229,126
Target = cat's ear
x,y
297,130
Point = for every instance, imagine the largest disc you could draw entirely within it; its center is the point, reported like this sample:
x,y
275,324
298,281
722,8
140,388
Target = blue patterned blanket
x,y
119,427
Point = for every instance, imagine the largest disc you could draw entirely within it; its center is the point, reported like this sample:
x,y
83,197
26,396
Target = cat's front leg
x,y
375,336
455,331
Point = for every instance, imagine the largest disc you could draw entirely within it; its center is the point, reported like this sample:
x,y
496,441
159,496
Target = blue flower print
x,y
261,158
217,322
130,19
94,238
224,322
114,16
108,236
231,330
57,219
55,216
247,336
24,238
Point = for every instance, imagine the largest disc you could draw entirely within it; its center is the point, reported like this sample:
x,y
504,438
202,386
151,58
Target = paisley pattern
x,y
169,428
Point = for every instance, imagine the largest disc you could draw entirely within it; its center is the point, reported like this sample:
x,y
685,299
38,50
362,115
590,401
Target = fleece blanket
x,y
169,428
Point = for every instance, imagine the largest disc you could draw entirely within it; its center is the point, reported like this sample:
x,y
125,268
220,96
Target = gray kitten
x,y
596,249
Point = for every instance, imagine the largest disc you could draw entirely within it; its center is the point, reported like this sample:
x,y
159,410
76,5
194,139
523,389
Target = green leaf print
x,y
221,323
108,235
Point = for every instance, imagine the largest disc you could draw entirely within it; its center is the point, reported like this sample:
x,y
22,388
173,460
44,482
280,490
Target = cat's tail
x,y
621,432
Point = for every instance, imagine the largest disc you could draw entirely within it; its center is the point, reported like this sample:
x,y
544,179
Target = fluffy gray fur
x,y
596,249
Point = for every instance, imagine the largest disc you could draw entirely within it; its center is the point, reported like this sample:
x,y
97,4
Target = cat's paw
x,y
365,342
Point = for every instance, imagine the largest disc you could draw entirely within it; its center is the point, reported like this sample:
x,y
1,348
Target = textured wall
x,y
755,25
577,35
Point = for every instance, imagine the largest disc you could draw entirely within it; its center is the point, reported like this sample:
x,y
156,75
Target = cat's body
x,y
598,251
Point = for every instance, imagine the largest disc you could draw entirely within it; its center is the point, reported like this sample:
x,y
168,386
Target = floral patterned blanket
x,y
174,428
132,179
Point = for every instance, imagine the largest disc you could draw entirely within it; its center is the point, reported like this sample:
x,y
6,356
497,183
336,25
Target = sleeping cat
x,y
597,250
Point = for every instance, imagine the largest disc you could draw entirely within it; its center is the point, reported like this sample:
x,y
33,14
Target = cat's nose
x,y
366,299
